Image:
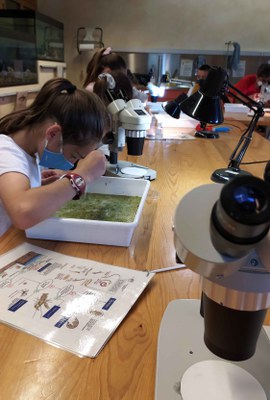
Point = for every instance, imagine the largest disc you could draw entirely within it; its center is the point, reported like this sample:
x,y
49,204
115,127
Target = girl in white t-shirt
x,y
63,125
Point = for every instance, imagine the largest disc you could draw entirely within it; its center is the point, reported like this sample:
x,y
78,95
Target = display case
x,y
25,37
18,57
49,38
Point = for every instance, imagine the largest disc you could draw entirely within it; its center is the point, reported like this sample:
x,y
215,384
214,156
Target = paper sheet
x,y
166,121
186,67
172,134
72,303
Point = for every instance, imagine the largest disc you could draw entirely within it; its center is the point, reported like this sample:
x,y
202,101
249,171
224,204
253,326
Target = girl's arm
x,y
50,175
28,206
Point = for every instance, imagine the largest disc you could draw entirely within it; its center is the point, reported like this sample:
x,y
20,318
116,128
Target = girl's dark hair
x,y
122,83
81,114
204,67
99,61
263,71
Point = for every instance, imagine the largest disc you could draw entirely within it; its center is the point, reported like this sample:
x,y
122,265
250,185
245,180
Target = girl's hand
x,y
92,166
50,175
266,104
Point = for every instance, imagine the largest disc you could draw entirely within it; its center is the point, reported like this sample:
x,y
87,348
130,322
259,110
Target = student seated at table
x,y
61,126
105,60
202,74
116,81
119,83
251,84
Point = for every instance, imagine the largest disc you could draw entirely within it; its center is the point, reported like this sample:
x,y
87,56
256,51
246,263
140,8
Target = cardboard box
x,y
92,231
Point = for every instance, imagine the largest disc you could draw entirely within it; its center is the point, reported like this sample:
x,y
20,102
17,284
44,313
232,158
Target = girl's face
x,y
74,153
263,81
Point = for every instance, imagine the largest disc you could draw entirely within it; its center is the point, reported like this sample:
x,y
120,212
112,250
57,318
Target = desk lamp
x,y
205,105
173,107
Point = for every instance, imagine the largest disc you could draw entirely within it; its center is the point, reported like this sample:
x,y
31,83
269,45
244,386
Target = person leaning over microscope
x,y
251,85
62,125
105,60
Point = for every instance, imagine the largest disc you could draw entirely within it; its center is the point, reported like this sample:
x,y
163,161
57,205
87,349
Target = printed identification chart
x,y
73,303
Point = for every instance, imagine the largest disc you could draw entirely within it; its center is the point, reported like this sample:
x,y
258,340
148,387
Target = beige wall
x,y
155,25
46,70
161,24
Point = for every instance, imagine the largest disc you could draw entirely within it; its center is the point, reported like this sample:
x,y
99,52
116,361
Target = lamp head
x,y
205,105
173,107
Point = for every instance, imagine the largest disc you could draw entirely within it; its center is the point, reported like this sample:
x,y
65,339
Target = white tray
x,y
98,232
236,108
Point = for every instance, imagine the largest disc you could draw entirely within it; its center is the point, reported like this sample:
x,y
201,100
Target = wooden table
x,y
245,119
125,369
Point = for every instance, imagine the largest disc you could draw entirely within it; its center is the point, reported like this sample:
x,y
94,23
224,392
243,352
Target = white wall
x,y
161,24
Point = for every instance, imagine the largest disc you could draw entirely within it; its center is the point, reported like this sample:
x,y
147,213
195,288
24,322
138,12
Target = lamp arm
x,y
244,141
252,104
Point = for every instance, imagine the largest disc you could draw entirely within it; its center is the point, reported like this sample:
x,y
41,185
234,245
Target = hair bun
x,y
71,88
65,86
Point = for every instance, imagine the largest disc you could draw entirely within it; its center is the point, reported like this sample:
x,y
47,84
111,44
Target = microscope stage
x,y
181,349
126,169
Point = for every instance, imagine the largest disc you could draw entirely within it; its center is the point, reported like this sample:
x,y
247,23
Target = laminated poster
x,y
72,303
186,67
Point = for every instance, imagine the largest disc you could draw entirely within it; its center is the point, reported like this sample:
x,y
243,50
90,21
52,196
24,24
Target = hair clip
x,y
110,80
107,51
69,88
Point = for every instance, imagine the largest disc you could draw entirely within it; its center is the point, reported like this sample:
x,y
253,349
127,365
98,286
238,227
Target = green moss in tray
x,y
102,207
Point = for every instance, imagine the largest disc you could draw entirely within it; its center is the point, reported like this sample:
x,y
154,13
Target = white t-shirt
x,y
14,159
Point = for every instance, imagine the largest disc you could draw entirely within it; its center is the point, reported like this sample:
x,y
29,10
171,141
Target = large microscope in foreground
x,y
217,348
130,121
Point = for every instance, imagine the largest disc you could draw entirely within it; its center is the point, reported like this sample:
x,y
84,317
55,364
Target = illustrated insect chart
x,y
70,302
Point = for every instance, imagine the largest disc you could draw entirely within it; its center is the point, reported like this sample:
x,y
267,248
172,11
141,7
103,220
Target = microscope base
x,y
181,345
126,169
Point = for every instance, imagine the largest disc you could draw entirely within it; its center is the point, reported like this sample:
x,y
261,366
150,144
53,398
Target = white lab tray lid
x,y
92,231
236,108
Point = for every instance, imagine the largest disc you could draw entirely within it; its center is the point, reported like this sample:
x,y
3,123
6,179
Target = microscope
x,y
130,121
221,232
264,95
